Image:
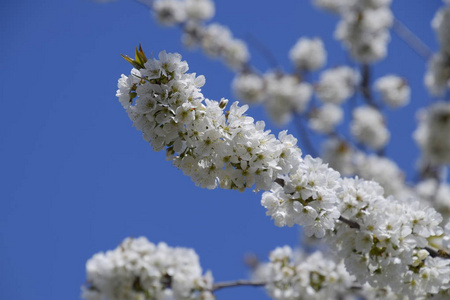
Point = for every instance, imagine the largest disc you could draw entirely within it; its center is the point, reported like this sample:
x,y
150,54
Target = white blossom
x,y
307,198
308,54
337,85
285,94
138,269
363,28
249,87
325,118
438,194
382,170
293,275
437,77
368,127
441,24
339,155
433,133
169,12
199,9
394,90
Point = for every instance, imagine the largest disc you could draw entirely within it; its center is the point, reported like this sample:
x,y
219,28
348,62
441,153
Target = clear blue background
x,y
77,178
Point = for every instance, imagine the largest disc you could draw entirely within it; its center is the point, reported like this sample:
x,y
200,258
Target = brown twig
x,y
365,86
412,40
242,282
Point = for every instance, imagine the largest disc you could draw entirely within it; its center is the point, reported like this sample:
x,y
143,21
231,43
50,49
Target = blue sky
x,y
77,178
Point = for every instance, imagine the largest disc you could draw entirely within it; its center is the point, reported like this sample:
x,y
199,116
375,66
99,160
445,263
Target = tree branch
x,y
351,224
242,282
265,52
412,40
365,86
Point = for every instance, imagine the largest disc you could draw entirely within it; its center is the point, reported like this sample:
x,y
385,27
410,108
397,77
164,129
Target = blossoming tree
x,y
385,238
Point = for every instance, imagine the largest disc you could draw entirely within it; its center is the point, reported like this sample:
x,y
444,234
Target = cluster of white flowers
x,y
306,197
308,54
388,246
433,133
340,155
437,78
364,26
140,270
337,85
216,40
378,236
394,90
282,94
382,170
292,275
214,148
174,12
368,127
325,118
437,193
347,160
249,87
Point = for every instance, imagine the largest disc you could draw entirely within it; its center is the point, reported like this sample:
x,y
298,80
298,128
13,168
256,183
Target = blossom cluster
x,y
306,197
437,78
308,54
437,193
214,148
337,85
293,275
349,161
215,39
363,28
389,244
433,133
285,95
369,128
394,90
140,270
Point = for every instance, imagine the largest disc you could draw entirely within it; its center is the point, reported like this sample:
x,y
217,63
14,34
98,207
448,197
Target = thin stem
x,y
146,3
365,86
242,282
259,46
412,40
351,224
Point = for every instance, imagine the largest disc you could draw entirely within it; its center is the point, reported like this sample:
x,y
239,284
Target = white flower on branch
x,y
285,95
441,24
437,77
211,147
199,10
325,118
433,133
394,90
138,269
249,87
368,127
293,275
337,85
308,54
169,12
